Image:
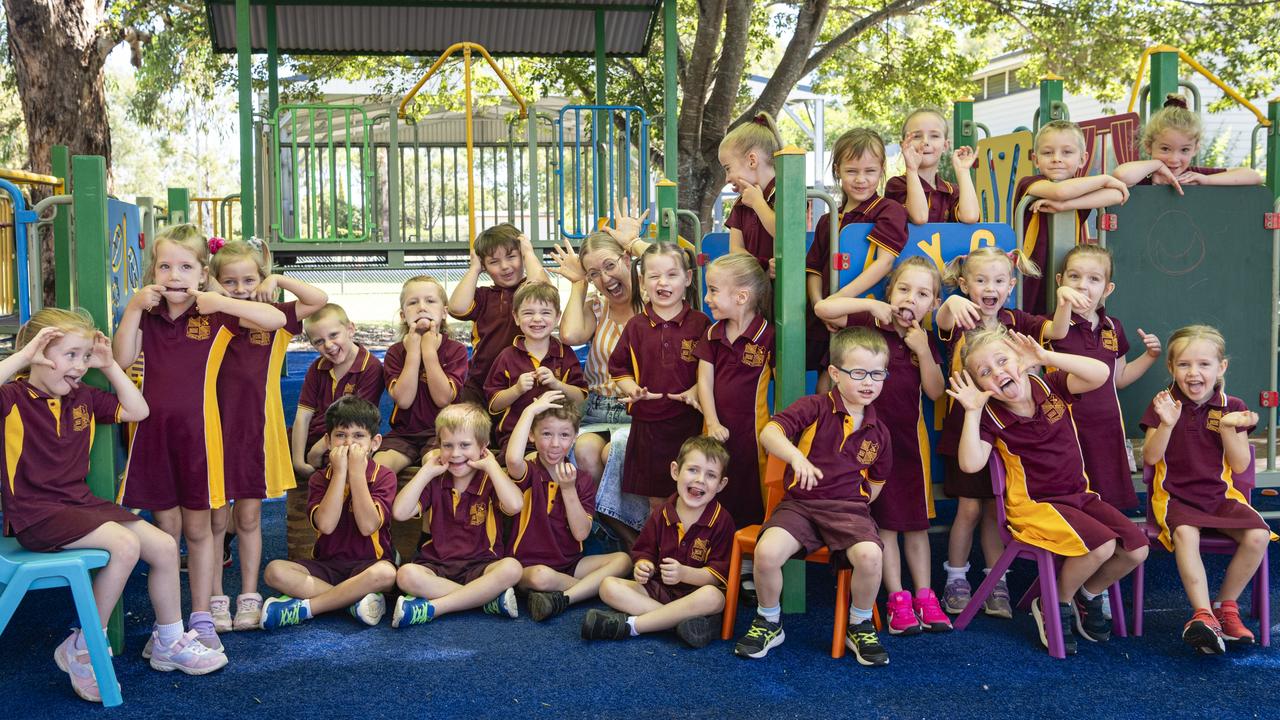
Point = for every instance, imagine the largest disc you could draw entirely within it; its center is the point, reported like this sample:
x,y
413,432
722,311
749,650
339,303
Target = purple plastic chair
x,y
1046,584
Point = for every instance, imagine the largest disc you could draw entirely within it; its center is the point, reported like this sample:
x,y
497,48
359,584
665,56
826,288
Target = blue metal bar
x,y
579,208
626,159
21,216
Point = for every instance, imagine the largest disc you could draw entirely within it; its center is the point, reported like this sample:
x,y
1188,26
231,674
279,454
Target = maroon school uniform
x,y
176,455
1193,483
755,238
493,329
943,197
659,355
1202,170
463,528
1097,412
320,387
905,503
515,361
541,534
346,543
1047,500
1034,243
413,431
253,412
742,365
708,543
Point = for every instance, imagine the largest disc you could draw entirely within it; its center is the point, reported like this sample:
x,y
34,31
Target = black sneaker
x,y
543,605
605,625
761,637
696,632
1066,616
865,644
1089,620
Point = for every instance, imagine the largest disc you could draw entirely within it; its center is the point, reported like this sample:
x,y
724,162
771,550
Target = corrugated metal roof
x,y
426,27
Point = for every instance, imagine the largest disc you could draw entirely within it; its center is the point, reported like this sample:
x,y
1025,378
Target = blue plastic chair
x,y
22,570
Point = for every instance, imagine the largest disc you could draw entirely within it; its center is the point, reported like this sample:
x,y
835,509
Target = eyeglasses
x,y
609,267
861,374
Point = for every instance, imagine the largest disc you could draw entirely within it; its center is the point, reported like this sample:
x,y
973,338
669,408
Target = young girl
x,y
736,356
1047,499
424,372
656,370
177,466
1093,333
746,154
905,504
47,503
927,197
985,278
1194,490
1171,138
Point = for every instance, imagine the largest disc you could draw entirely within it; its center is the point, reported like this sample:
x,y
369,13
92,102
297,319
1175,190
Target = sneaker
x,y
926,607
1106,604
865,644
370,609
1203,633
997,603
761,637
188,654
83,680
220,609
605,625
248,612
1093,626
283,611
202,624
955,596
1066,617
412,610
1233,629
696,632
902,619
151,639
543,605
504,604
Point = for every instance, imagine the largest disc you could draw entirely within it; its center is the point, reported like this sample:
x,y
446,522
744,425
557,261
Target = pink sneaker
x,y
83,680
188,654
929,610
902,619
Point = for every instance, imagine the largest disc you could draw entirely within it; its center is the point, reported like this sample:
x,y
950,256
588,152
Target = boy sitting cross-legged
x,y
681,557
461,566
559,501
348,503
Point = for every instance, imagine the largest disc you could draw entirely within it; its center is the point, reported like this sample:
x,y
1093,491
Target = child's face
x,y
536,319
178,270
422,305
505,266
740,170
458,447
912,296
240,278
1088,276
860,176
610,274
1175,149
723,298
994,367
988,283
665,280
355,436
929,133
70,356
1197,370
334,339
1058,155
698,479
553,438
859,393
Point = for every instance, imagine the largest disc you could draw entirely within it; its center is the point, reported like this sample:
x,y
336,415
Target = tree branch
x,y
729,69
791,67
859,26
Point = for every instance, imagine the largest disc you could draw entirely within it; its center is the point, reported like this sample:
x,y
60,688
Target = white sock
x,y
858,615
306,605
631,623
772,614
1003,578
955,573
169,633
1084,593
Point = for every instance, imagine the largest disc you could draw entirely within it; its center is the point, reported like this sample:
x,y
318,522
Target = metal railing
x,y
598,161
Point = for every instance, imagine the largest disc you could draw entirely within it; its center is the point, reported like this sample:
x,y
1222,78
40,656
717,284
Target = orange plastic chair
x,y
744,542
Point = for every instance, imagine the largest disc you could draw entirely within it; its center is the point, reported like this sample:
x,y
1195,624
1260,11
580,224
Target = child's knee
x,y
159,549
125,548
866,557
1256,539
540,577
405,574
1186,534
610,588
1103,552
382,575
1139,555
509,569
708,600
770,554
272,573
249,519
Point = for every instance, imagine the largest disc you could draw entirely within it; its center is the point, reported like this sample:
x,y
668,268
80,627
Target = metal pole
x,y
600,121
1164,77
273,60
963,130
244,62
670,119
534,228
1273,146
1051,106
471,183
179,206
62,232
667,201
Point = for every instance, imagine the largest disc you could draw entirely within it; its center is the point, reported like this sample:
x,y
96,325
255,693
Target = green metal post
x,y
1051,105
668,199
1164,77
62,231
670,111
601,125
1273,146
273,60
963,129
244,62
179,206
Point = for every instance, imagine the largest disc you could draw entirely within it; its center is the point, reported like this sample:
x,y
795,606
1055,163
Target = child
x,y
1093,333
681,557
344,367
838,467
1194,487
736,356
915,365
424,373
253,418
559,500
1047,499
506,255
927,197
1059,153
461,566
656,370
534,363
1171,138
746,154
47,504
349,504
176,464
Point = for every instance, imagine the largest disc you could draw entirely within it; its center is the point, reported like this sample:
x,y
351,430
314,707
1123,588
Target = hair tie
x,y
215,244
1013,256
760,120
960,258
1175,100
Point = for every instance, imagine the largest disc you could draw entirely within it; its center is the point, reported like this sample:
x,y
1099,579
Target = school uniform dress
x,y
659,355
1202,170
743,369
321,386
541,534
755,238
1034,243
708,543
493,328
943,197
1193,483
253,412
1047,500
347,552
46,459
413,430
515,361
463,528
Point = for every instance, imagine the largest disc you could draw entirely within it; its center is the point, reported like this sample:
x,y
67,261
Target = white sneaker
x,y
220,609
369,609
188,654
248,612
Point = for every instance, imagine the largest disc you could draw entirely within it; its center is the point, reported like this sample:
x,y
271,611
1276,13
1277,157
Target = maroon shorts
x,y
70,524
1097,522
651,448
459,571
411,445
664,593
837,524
960,484
1228,514
337,571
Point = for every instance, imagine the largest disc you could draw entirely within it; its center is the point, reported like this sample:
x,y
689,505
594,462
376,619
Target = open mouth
x,y
696,492
1009,388
614,289
72,380
867,394
906,315
663,294
990,302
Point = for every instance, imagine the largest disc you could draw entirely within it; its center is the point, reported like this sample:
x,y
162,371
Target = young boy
x,y
681,557
506,255
461,566
837,468
559,501
534,363
349,504
344,368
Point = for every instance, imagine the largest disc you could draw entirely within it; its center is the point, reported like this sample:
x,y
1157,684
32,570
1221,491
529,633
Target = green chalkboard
x,y
1200,258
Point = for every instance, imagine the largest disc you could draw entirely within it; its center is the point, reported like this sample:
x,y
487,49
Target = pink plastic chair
x,y
1046,584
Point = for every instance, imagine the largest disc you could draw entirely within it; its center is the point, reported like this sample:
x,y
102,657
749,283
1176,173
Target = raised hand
x,y
882,311
688,397
568,264
967,313
33,351
917,339
486,463
207,302
1074,298
911,156
148,296
565,474
1152,342
626,223
753,196
430,338
1238,419
100,357
963,158
1168,409
1029,351
546,401
338,457
526,381
266,290
967,393
434,464
718,431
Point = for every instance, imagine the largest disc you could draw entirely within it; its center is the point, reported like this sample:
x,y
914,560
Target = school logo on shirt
x,y
1110,341
686,349
259,337
1215,416
868,452
479,513
701,549
1053,408
754,355
198,328
349,389
80,418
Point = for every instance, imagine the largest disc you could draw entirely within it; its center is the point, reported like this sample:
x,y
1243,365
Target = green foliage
x,y
13,134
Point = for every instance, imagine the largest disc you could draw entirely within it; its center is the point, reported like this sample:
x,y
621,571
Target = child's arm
x,y
408,502
931,380
533,270
368,518
315,454
510,499
813,288
1132,173
1235,440
1234,176
260,316
1127,372
577,324
776,442
1157,439
329,511
916,203
573,384
706,400
867,279
836,309
127,342
1083,373
674,573
464,295
505,398
566,477
133,407
1089,201
519,440
310,298
404,389
1069,301
967,208
33,354
957,310
973,452
442,389
1072,188
298,440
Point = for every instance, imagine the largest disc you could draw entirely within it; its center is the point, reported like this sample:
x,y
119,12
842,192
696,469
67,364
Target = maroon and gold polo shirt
x,y
1041,453
420,418
1034,243
659,355
942,197
320,387
346,542
850,458
462,523
541,534
889,234
708,543
516,360
755,238
743,369
493,329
